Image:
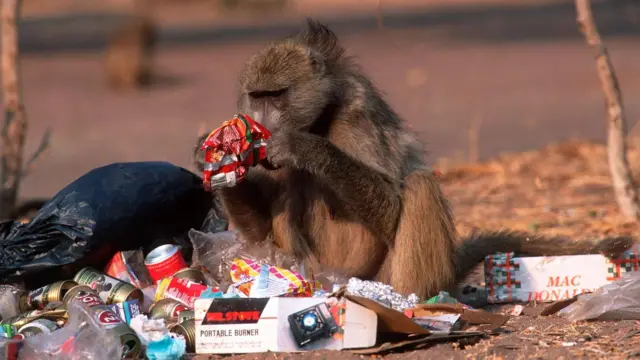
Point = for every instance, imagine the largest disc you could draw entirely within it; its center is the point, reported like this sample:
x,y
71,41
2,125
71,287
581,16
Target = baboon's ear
x,y
322,39
318,61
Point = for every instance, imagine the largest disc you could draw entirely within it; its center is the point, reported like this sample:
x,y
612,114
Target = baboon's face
x,y
284,87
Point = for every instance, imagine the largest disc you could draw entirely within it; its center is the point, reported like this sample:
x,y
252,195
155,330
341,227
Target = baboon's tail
x,y
474,248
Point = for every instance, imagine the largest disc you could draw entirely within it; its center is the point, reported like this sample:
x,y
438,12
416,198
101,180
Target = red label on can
x,y
108,317
167,267
181,290
90,299
178,309
117,269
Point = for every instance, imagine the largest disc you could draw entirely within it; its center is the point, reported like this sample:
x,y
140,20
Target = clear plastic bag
x,y
214,252
9,301
75,341
619,300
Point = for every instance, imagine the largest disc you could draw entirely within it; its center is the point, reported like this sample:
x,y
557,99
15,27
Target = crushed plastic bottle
x,y
76,341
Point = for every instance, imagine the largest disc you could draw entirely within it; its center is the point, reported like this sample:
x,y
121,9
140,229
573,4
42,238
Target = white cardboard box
x,y
553,278
228,326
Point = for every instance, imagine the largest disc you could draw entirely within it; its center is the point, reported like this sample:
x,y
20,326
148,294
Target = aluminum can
x,y
186,315
110,290
29,316
39,298
188,330
166,309
191,274
164,261
38,326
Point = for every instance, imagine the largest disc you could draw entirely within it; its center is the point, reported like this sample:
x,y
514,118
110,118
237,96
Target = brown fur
x,y
350,189
129,55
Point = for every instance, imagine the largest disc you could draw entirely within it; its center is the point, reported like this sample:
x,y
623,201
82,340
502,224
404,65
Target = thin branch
x,y
624,188
42,148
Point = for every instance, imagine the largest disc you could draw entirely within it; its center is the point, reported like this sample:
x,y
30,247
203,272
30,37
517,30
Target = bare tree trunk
x,y
625,190
15,122
379,15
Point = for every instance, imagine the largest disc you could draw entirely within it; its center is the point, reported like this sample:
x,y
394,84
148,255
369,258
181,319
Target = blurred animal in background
x,y
129,54
27,210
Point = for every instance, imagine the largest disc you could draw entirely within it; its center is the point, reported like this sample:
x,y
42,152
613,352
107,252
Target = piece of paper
x,y
438,324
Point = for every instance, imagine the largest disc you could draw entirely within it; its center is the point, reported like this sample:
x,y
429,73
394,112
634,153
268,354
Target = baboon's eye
x,y
268,93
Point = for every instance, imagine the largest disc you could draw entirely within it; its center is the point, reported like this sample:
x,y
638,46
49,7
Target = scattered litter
x,y
380,292
443,297
262,280
619,300
517,310
467,317
159,342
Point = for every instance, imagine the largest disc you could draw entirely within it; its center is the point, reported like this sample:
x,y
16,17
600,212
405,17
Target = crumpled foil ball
x,y
381,293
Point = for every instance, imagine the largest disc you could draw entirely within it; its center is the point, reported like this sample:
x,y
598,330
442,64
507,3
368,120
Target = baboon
x,y
129,54
345,184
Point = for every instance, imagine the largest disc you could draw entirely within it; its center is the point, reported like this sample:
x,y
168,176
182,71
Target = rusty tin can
x,y
167,309
110,290
39,298
188,330
108,320
191,274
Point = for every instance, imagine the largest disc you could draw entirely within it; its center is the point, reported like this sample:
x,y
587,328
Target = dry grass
x,y
562,189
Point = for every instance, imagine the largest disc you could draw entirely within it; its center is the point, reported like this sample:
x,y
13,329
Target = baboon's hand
x,y
280,150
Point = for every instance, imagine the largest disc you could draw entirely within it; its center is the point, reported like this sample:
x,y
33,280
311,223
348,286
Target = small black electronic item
x,y
312,323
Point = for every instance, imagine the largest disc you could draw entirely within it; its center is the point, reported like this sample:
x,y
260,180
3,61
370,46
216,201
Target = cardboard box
x,y
554,278
225,326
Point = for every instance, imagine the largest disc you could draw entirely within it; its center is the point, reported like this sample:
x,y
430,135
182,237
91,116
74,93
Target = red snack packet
x,y
232,148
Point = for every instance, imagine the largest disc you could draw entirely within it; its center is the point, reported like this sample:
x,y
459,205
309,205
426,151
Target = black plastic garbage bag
x,y
121,206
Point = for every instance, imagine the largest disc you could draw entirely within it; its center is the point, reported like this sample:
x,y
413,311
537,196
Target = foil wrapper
x,y
381,293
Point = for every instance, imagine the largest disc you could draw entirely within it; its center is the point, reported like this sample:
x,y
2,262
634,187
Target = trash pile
x,y
230,299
